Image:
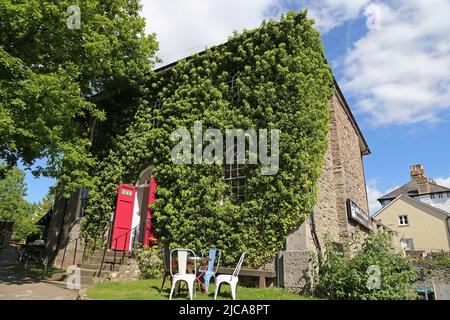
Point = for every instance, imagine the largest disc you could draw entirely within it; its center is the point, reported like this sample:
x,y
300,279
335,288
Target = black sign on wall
x,y
358,215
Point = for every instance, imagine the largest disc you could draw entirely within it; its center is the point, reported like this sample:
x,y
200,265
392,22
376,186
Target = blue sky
x,y
391,59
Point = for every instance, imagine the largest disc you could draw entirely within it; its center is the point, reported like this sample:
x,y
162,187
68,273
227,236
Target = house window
x,y
234,175
403,220
432,196
83,202
234,88
154,109
408,244
441,196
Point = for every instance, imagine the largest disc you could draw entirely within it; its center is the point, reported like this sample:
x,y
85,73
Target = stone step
x,y
70,253
96,266
94,273
106,260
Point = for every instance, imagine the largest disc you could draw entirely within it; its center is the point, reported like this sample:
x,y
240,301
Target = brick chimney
x,y
417,173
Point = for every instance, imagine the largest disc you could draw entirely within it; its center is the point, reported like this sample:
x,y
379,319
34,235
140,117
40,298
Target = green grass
x,y
36,271
149,290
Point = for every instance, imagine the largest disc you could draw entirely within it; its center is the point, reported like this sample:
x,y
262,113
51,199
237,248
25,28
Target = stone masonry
x,y
342,178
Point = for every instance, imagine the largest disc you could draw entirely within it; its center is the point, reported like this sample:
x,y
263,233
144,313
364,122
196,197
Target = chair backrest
x,y
239,265
213,252
182,260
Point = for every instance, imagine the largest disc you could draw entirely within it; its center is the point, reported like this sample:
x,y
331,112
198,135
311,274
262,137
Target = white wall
x,y
440,203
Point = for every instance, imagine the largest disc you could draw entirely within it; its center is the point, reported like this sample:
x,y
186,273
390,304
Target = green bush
x,y
150,262
440,259
355,278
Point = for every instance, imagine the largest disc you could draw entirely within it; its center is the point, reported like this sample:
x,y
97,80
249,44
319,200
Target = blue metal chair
x,y
212,266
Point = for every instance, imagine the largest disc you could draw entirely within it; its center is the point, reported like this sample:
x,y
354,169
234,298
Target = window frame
x,y
405,244
403,220
235,176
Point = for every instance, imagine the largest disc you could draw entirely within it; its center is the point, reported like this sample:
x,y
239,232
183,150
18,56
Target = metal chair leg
x,y
164,281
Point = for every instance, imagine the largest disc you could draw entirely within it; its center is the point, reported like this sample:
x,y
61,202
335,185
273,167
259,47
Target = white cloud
x,y
187,26
332,13
445,182
373,193
400,73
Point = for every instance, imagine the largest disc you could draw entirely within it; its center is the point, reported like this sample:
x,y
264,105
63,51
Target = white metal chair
x,y
182,275
232,279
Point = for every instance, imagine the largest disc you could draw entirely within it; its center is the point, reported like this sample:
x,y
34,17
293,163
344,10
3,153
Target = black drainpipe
x,y
314,234
448,226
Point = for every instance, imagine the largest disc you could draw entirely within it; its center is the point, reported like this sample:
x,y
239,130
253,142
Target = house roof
x,y
411,200
410,189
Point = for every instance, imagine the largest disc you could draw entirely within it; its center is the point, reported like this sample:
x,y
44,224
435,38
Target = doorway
x,y
143,234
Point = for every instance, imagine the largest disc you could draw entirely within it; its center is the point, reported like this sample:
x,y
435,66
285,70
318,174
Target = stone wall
x,y
433,278
64,228
342,177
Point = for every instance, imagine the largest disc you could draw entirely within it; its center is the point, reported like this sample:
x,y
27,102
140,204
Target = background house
x,y
419,212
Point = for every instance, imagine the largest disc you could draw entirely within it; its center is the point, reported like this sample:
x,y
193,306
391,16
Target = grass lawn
x,y
36,271
149,290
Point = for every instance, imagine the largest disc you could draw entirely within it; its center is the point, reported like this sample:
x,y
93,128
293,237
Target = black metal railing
x,y
114,241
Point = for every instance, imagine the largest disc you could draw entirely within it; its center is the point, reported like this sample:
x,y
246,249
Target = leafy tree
x,y
13,206
375,272
52,79
43,206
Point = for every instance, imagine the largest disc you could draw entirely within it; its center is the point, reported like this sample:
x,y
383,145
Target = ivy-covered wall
x,y
281,81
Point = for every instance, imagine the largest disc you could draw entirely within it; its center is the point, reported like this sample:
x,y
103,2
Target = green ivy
x,y
283,83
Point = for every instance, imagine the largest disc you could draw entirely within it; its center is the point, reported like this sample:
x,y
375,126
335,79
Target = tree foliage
x,y
51,77
350,278
13,206
282,81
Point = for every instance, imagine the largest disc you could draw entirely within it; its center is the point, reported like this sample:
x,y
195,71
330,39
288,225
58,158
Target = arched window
x,y
154,109
234,88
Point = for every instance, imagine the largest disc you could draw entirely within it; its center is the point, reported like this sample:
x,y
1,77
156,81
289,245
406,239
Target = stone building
x,y
342,181
342,206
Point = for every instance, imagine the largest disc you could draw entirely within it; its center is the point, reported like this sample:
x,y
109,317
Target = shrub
x,y
150,262
375,272
440,259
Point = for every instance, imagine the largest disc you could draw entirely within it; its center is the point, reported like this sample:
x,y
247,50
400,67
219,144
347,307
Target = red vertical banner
x,y
123,217
149,234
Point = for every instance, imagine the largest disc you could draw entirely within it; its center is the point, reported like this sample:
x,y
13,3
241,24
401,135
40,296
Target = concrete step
x,y
96,266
